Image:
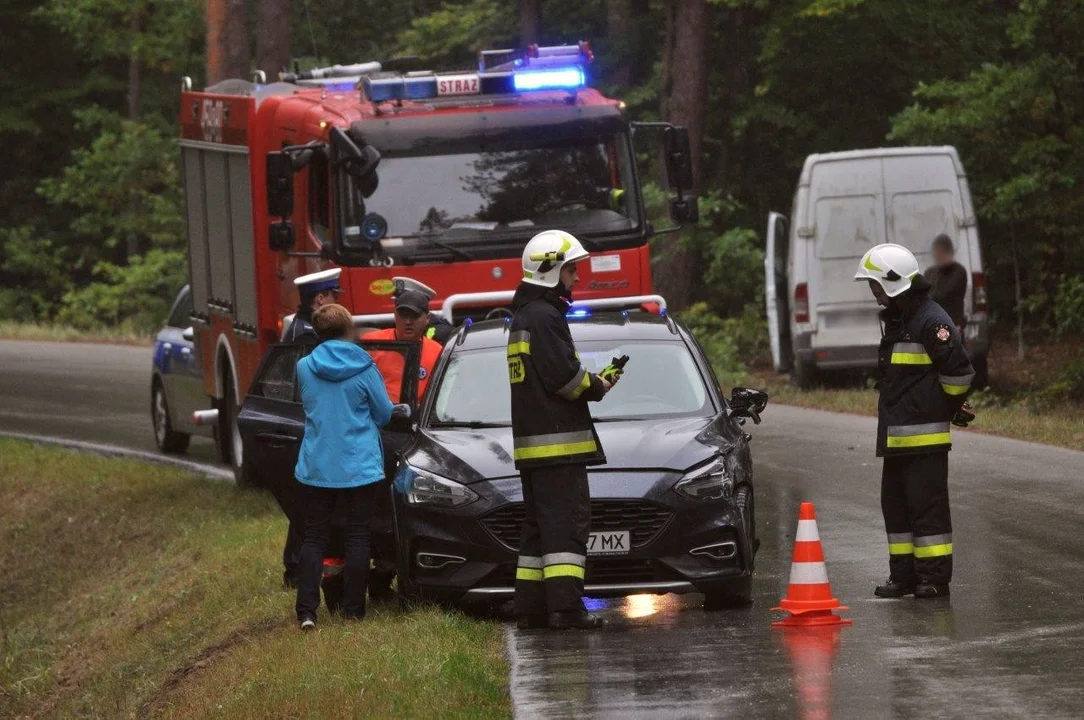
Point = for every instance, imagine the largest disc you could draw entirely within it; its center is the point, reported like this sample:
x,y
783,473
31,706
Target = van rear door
x,y
775,292
847,199
923,201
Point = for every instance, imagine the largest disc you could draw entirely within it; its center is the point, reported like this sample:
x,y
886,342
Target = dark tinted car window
x,y
278,376
182,308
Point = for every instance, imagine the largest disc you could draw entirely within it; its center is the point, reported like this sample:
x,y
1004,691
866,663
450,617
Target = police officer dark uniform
x,y
925,379
553,437
439,330
315,290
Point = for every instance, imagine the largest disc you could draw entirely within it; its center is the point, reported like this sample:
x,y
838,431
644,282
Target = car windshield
x,y
472,194
661,380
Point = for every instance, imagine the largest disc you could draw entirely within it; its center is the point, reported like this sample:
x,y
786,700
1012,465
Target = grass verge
x,y
1052,424
136,590
10,330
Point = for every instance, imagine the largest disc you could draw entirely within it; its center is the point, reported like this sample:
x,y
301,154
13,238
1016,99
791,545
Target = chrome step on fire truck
x,y
442,177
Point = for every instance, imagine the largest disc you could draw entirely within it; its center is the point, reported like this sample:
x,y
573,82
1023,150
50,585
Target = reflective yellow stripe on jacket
x,y
907,353
956,384
910,436
537,447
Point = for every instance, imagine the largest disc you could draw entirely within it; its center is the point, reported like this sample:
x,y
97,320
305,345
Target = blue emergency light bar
x,y
545,68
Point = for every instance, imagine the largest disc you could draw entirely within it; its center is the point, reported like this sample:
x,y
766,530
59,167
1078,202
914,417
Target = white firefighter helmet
x,y
891,266
545,255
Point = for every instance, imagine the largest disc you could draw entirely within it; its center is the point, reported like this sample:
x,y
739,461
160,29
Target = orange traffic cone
x,y
809,596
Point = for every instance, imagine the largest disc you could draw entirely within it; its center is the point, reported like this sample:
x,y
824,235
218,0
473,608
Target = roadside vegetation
x,y
12,330
136,590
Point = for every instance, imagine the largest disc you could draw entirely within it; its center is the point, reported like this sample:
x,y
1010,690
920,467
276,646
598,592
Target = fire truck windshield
x,y
474,198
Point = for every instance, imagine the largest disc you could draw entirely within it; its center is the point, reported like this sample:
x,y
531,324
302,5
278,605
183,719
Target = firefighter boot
x,y
931,591
894,589
532,622
574,620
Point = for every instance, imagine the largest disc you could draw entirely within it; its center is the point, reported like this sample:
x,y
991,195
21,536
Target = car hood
x,y
473,455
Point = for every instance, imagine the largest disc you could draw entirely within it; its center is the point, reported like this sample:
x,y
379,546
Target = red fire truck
x,y
441,177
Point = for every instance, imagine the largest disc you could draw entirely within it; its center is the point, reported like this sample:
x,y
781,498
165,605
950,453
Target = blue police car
x,y
177,380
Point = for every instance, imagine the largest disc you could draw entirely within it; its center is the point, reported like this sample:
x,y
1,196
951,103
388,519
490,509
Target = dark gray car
x,y
177,380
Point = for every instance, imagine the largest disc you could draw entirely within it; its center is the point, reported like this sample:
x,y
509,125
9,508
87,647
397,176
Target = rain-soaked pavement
x,y
1009,643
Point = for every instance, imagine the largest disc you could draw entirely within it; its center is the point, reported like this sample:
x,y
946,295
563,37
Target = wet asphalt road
x,y
1010,642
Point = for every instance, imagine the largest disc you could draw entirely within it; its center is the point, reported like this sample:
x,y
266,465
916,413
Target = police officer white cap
x,y
404,283
319,282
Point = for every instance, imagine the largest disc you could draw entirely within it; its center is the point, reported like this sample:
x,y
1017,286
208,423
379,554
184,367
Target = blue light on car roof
x,y
566,78
578,313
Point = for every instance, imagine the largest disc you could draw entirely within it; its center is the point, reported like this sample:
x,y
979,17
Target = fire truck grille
x,y
644,520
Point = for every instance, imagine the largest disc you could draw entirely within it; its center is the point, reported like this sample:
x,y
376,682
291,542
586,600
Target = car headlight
x,y
711,481
434,491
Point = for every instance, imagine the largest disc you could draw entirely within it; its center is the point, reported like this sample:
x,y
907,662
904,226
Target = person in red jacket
x,y
411,324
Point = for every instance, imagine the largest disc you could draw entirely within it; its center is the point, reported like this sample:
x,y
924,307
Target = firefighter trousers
x,y
553,545
915,504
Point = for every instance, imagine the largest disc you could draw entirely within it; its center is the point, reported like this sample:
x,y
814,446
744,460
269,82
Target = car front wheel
x,y
165,437
739,592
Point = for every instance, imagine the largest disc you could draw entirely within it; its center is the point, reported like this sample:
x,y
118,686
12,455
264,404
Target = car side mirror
x,y
402,415
746,402
188,333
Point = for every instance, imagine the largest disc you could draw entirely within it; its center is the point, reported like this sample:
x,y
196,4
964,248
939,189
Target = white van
x,y
847,202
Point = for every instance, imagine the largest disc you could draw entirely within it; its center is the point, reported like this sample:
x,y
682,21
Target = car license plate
x,y
611,542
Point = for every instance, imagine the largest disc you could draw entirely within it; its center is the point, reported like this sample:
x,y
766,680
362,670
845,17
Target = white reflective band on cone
x,y
807,531
808,574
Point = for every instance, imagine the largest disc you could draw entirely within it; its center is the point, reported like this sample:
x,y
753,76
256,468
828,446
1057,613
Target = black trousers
x,y
553,546
915,504
320,504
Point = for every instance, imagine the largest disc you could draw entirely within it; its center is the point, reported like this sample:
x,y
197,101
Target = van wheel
x,y
804,373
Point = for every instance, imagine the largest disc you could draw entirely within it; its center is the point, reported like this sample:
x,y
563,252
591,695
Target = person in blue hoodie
x,y
341,460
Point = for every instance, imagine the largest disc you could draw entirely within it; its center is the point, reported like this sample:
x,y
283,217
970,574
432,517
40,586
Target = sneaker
x,y
931,591
308,624
894,589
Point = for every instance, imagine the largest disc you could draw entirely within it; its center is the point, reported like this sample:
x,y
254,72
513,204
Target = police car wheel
x,y
737,594
167,440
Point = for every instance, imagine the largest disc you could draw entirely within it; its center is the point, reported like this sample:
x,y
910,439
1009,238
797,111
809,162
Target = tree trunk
x,y
273,47
685,84
216,41
237,56
530,22
621,36
135,67
227,40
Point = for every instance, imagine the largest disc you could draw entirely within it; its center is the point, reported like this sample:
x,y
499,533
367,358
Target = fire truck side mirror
x,y
359,162
684,210
679,164
281,236
280,185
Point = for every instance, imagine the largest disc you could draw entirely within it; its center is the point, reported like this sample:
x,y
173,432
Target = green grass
x,y
135,590
10,330
1059,424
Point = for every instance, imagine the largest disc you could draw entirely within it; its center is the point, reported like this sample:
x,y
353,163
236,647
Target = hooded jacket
x,y
925,375
345,406
551,423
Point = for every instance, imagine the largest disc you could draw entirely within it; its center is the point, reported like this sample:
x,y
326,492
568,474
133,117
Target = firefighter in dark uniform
x,y
439,330
553,436
315,290
925,379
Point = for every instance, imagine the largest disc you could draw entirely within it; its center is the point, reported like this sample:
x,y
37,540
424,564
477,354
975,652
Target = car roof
x,y
608,326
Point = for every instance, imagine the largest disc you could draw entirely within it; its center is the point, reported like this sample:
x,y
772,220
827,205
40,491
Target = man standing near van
x,y
925,378
948,279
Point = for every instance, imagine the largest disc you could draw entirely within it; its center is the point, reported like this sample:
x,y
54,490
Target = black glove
x,y
614,370
963,416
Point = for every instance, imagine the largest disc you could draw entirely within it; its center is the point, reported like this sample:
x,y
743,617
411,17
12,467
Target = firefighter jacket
x,y
551,423
925,376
